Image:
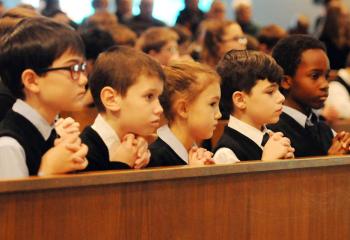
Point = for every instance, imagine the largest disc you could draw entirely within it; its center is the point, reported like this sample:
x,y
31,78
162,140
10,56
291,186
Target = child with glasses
x,y
46,73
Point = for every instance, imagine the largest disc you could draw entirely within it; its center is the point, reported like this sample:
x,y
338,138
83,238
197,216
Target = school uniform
x,y
25,136
101,139
240,142
339,94
167,150
308,137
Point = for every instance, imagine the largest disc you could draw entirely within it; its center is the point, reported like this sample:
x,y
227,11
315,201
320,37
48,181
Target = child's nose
x,y
324,85
82,79
281,97
158,109
218,114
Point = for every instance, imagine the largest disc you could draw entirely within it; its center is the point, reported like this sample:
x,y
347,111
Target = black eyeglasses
x,y
75,70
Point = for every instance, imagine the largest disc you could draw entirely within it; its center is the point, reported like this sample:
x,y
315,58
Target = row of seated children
x,y
192,90
47,75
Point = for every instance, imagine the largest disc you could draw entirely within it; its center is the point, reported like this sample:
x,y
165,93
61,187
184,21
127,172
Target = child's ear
x,y
286,82
238,100
110,99
30,81
181,108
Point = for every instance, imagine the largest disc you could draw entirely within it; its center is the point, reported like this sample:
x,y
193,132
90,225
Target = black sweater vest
x,y
28,136
163,155
244,148
98,155
301,139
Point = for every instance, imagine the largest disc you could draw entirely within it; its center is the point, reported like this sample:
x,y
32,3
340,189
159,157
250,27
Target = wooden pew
x,y
294,199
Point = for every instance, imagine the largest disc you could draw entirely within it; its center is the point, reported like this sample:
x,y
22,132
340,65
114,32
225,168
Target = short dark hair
x,y
96,41
240,70
35,43
120,67
288,51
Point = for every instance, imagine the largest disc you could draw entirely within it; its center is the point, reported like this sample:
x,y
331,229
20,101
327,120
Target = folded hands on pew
x,y
340,144
277,147
133,150
68,153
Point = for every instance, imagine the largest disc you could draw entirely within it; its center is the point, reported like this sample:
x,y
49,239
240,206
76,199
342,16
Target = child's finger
x,y
59,121
339,135
285,141
80,165
82,152
289,155
208,154
200,152
129,139
277,136
143,161
142,146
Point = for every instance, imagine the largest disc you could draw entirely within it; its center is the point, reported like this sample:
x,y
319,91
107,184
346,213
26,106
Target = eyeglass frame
x,y
74,73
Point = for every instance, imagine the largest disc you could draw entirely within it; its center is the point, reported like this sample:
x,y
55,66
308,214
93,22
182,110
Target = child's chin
x,y
274,120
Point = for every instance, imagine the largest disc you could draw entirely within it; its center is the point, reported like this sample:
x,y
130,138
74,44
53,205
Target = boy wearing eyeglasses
x,y
45,72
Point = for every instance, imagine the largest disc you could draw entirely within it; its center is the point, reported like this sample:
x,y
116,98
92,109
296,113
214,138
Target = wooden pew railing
x,y
292,199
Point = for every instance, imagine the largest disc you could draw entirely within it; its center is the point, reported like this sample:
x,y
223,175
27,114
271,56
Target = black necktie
x,y
265,139
312,126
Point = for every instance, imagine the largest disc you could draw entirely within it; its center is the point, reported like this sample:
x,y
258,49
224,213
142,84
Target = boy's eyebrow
x,y
74,60
319,70
272,84
152,89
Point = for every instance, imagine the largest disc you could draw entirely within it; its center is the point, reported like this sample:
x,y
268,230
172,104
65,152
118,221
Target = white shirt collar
x,y
343,74
106,132
298,116
169,138
249,131
34,117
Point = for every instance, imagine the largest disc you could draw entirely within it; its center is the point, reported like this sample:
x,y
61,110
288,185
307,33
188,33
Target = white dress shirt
x,y
226,155
169,138
107,134
12,155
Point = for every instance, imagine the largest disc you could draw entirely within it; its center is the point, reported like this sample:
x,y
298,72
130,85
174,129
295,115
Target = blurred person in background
x,y
243,13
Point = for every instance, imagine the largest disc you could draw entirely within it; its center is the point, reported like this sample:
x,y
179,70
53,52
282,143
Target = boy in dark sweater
x,y
249,90
125,85
305,86
44,72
